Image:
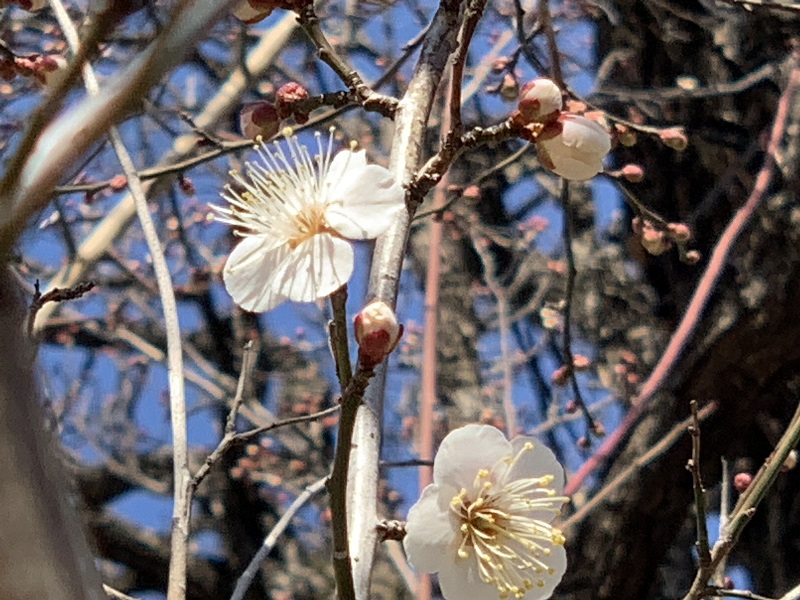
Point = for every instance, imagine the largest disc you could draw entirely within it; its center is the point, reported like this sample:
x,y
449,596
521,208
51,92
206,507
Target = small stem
x,y
569,360
337,329
352,396
699,491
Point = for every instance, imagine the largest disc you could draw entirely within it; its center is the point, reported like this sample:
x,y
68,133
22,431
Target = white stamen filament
x,y
510,546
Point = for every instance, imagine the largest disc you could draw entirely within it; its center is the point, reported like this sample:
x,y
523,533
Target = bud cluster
x,y
571,145
264,118
657,239
47,69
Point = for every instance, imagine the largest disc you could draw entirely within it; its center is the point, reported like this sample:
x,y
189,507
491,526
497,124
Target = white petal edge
x,y
460,581
249,269
466,450
431,530
345,164
363,205
320,265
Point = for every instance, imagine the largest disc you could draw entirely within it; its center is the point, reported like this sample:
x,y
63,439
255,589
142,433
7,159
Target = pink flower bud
x,y
632,173
259,118
560,376
573,147
654,240
692,257
540,101
287,96
580,362
625,135
253,11
741,481
377,333
679,232
675,138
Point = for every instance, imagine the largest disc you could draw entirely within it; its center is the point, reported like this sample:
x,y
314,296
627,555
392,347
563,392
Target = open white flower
x,y
485,523
573,147
295,216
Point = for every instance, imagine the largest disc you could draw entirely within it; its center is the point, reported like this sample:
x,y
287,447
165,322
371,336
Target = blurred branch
x,y
44,553
704,554
225,100
244,581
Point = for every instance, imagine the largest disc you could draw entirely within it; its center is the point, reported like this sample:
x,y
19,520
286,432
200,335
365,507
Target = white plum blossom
x,y
296,214
484,524
540,100
573,147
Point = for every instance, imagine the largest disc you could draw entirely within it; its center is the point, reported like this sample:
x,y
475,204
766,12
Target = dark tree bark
x,y
744,352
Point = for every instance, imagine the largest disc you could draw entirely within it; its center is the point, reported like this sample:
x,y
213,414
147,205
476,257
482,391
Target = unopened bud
x,y
584,443
540,101
679,232
287,96
377,333
580,362
625,135
571,407
653,240
675,138
573,147
560,376
742,481
259,118
632,173
692,257
473,192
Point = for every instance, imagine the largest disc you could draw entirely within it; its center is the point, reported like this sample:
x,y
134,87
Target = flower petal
x,y
557,561
460,581
431,530
466,450
537,462
249,271
363,199
320,265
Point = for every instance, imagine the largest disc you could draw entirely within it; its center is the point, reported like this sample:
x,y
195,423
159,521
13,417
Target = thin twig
x,y
54,295
669,440
246,578
704,554
696,309
569,359
746,506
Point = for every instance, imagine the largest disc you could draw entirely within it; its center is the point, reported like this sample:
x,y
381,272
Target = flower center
x,y
307,223
499,525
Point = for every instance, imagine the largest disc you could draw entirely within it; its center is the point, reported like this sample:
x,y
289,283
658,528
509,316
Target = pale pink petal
x,y
536,463
249,271
431,530
320,265
465,451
